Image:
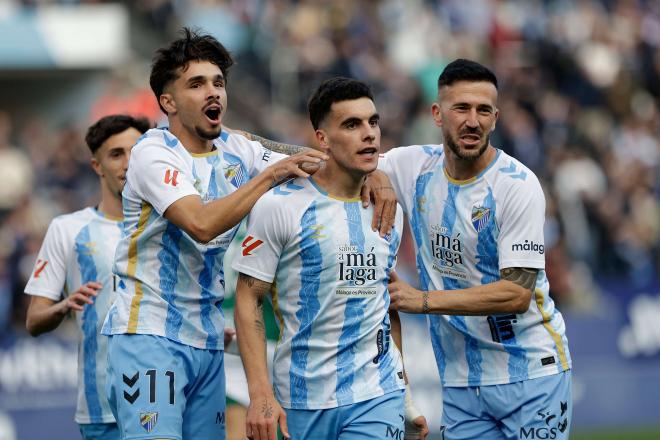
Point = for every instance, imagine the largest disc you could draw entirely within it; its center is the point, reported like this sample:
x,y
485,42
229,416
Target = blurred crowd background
x,y
579,101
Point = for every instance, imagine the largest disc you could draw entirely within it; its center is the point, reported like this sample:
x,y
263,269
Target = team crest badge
x,y
234,173
148,420
480,217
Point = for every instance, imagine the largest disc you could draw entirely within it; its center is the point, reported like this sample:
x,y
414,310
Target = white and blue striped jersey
x,y
465,232
171,285
329,272
79,248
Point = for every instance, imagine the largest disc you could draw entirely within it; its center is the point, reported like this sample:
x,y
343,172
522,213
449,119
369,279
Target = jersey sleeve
x,y
267,232
258,157
160,176
49,274
403,165
521,242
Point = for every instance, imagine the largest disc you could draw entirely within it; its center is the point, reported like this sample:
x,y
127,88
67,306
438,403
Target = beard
x,y
470,156
208,135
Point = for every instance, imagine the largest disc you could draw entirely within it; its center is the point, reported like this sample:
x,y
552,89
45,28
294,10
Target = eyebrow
x,y
350,119
202,78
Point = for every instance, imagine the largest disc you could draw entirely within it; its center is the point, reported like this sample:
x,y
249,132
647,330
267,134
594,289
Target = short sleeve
x,y
49,274
258,157
160,176
266,235
521,242
403,165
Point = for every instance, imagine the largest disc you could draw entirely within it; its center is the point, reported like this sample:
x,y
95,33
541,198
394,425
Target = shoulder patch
x,y
513,171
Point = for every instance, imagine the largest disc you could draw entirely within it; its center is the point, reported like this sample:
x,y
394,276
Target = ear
x,y
437,115
322,138
497,117
96,165
166,100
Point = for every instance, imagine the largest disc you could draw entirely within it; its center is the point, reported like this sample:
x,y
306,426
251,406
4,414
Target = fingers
x,y
94,285
387,217
365,196
420,422
377,219
77,301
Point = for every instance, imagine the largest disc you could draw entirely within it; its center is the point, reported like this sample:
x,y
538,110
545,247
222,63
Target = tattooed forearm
x,y
522,276
259,316
277,146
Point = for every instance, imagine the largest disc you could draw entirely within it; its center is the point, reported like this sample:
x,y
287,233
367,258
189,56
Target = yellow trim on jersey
x,y
456,181
207,154
276,309
145,212
553,333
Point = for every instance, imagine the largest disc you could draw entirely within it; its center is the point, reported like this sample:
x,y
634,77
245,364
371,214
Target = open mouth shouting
x,y
212,113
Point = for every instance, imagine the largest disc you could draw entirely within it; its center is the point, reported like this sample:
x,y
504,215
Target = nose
x,y
472,121
212,91
370,133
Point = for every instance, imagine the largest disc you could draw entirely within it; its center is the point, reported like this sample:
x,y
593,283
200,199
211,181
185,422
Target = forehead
x,y
198,68
361,108
124,139
481,92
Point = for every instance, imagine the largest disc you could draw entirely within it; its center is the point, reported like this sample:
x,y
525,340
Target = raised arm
x,y
264,412
511,294
205,221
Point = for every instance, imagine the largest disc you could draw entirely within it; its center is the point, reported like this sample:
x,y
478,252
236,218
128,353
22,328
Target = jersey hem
x,y
253,273
88,421
532,264
171,200
43,293
141,331
335,404
535,375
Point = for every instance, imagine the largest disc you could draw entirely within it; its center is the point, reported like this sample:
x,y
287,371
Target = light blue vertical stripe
x,y
420,233
472,353
211,257
488,265
385,366
88,272
309,306
353,316
168,257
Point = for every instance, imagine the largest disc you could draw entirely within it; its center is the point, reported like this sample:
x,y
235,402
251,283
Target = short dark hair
x,y
465,70
108,126
335,90
192,46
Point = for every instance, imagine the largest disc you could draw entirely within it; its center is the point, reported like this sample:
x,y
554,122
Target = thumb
x,y
283,426
393,277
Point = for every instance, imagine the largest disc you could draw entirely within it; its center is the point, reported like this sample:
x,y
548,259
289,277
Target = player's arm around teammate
x,y
377,188
264,412
511,294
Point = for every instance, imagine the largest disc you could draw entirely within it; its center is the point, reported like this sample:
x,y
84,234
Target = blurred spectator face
x,y
466,113
110,161
197,99
350,134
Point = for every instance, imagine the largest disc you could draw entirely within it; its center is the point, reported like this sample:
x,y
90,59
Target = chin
x,y
209,134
